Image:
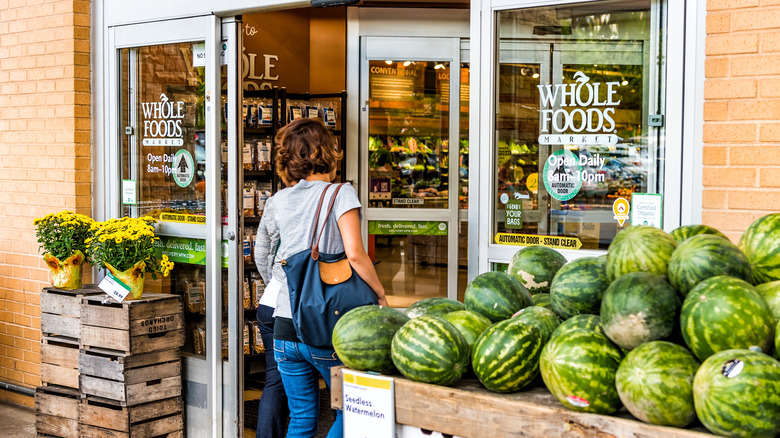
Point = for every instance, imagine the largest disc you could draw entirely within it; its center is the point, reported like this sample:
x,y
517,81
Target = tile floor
x,y
18,421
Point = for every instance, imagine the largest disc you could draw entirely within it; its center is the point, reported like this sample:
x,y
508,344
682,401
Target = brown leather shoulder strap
x,y
315,249
317,215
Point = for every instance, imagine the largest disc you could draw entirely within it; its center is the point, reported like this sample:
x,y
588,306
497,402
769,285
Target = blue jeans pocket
x,y
279,354
325,357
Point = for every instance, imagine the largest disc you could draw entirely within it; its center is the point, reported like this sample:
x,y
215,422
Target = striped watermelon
x,y
544,319
640,248
535,267
639,307
737,394
704,256
542,300
724,313
496,295
431,350
578,287
579,367
655,383
506,355
470,324
681,234
362,337
434,307
770,292
582,321
761,245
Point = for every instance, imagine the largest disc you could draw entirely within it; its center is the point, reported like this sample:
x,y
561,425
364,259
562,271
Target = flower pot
x,y
133,277
66,274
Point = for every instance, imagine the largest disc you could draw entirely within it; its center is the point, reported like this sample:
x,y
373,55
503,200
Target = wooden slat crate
x,y
59,361
57,411
99,417
130,379
153,323
60,310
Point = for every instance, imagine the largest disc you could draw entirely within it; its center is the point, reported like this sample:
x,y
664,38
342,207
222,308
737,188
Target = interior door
x,y
167,120
410,163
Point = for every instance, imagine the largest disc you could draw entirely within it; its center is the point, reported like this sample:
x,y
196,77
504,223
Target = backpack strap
x,y
317,216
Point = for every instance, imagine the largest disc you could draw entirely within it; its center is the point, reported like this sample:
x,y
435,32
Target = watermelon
x,y
582,321
496,295
544,319
737,394
434,307
470,324
761,245
639,307
681,234
639,248
578,287
770,292
655,383
362,337
431,350
777,341
579,368
724,313
506,355
535,267
541,300
704,256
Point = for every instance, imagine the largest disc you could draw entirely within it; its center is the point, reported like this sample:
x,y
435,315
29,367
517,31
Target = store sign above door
x,y
580,113
162,122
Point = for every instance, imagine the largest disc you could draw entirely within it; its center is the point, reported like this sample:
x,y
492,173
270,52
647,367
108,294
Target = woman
x,y
306,153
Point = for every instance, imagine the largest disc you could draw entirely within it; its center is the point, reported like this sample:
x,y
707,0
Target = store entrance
x,y
414,161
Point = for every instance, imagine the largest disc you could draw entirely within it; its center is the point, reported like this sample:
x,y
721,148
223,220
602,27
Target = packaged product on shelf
x,y
263,154
312,111
199,339
247,346
295,112
247,294
244,113
248,203
257,338
225,340
247,247
257,286
248,155
266,114
260,197
194,296
329,116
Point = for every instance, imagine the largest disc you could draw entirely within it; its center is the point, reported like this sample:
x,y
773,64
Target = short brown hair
x,y
304,147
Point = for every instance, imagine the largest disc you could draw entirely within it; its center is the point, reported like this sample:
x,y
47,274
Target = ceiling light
x,y
388,62
407,63
535,76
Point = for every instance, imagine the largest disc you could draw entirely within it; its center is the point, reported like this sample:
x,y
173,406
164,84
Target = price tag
x,y
114,287
369,405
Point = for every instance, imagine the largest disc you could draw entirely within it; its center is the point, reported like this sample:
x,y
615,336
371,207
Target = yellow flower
x,y
118,240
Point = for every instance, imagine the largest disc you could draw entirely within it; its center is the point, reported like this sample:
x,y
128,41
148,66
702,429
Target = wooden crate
x,y
60,310
153,323
57,411
130,379
467,409
99,417
60,361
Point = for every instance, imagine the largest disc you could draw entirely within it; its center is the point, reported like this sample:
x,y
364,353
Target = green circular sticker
x,y
183,169
562,175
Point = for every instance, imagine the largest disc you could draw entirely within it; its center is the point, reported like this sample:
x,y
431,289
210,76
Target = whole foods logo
x,y
162,122
590,122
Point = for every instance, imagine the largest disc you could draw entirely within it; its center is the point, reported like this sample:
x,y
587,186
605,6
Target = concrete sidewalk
x,y
18,421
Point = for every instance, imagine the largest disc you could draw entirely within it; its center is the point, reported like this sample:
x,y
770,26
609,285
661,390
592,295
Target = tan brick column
x,y
741,114
44,158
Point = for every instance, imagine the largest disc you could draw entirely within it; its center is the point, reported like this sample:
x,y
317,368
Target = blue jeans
x,y
300,366
272,412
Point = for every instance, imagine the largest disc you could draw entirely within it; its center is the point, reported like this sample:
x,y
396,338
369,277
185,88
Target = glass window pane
x,y
574,90
408,132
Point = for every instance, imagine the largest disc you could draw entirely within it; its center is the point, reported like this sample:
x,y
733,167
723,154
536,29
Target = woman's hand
x,y
349,226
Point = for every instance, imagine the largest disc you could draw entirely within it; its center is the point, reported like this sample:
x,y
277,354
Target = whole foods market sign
x,y
576,113
162,122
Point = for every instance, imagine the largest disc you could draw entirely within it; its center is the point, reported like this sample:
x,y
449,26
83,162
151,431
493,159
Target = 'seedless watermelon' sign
x,y
369,405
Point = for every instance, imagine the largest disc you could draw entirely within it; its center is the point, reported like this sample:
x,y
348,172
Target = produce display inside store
x,y
680,329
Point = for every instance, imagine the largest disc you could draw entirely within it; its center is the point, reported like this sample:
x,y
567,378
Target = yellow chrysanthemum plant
x,y
62,237
125,247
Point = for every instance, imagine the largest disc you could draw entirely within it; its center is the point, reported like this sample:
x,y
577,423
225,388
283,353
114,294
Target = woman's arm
x,y
349,226
266,242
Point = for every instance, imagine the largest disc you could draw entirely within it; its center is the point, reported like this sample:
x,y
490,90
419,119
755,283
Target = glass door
x,y
167,120
410,159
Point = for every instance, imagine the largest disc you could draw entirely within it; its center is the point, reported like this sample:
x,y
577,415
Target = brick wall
x,y
44,158
741,113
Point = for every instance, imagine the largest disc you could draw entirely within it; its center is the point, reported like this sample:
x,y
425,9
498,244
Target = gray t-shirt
x,y
288,218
